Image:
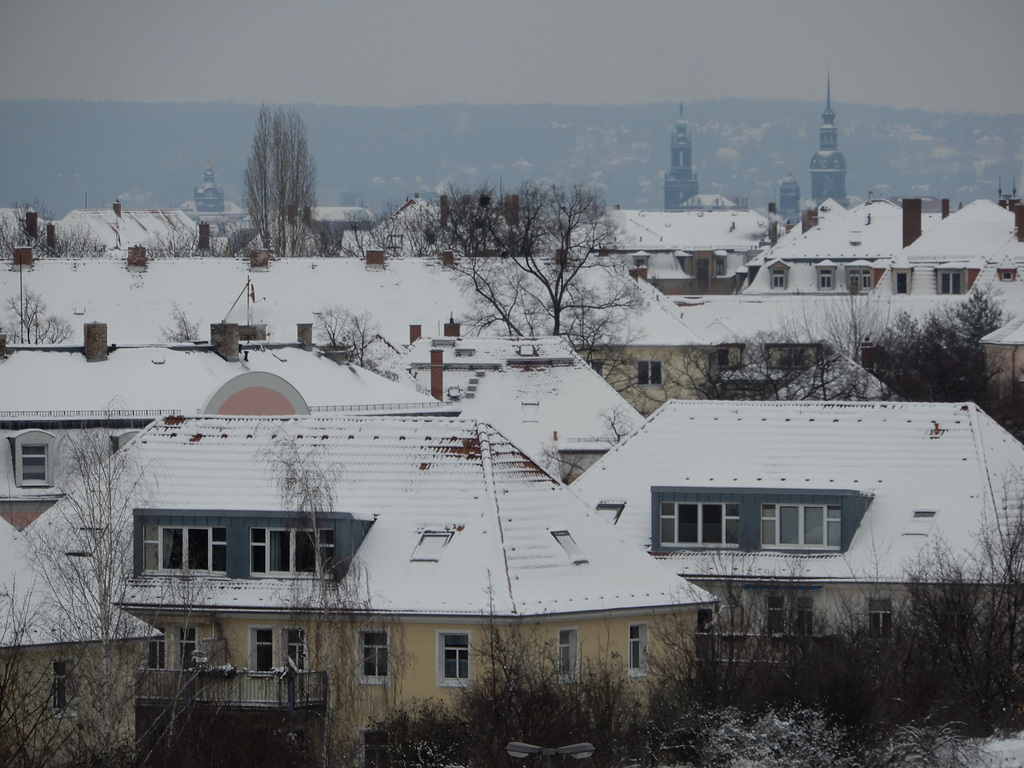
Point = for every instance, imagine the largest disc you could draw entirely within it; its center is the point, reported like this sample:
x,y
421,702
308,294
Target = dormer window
x,y
1007,275
778,278
805,526
951,282
826,278
33,458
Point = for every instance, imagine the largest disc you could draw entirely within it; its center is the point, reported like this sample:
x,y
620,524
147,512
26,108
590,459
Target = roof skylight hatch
x,y
610,511
572,549
430,546
921,522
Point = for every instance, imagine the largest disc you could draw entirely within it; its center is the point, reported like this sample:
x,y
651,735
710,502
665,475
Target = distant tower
x,y
680,181
828,166
789,199
209,197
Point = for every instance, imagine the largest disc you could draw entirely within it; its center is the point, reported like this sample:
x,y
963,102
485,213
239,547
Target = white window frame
x,y
649,373
63,694
157,541
34,440
638,652
288,642
255,645
361,657
826,278
669,516
778,279
880,617
458,681
325,545
946,280
568,658
772,523
156,649
188,637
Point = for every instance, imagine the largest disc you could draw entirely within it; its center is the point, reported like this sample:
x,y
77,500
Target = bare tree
x,y
82,552
279,182
359,333
27,315
182,328
532,260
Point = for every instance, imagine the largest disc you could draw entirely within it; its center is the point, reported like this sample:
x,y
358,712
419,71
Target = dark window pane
x,y
688,523
712,528
199,549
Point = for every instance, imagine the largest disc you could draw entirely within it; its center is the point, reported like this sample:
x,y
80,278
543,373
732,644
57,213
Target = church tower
x,y
680,181
789,199
828,166
209,198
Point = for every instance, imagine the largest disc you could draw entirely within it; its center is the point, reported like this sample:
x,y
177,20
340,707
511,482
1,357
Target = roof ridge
x,y
487,464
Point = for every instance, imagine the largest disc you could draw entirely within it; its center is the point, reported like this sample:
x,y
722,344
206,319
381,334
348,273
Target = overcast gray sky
x,y
962,55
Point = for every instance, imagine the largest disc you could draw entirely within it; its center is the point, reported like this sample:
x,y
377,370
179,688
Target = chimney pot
x,y
453,329
95,342
117,208
437,374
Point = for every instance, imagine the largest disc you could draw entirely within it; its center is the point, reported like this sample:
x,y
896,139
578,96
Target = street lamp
x,y
521,750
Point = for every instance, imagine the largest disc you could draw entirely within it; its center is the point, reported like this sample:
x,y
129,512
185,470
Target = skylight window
x,y
921,522
571,548
610,511
430,546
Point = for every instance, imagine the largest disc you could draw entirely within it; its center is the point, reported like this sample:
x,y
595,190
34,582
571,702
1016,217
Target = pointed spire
x,y
828,116
680,110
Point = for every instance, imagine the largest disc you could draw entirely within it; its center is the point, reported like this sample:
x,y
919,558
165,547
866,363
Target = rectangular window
x,y
454,648
375,749
261,658
638,655
310,544
901,282
775,615
804,624
63,685
700,523
282,550
295,647
374,656
33,464
719,267
825,279
568,656
173,548
949,282
648,373
156,657
880,617
812,526
778,278
187,647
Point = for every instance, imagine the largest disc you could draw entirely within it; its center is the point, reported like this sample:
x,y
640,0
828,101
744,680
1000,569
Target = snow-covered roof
x,y
689,230
411,476
950,458
980,229
149,228
168,379
538,392
137,306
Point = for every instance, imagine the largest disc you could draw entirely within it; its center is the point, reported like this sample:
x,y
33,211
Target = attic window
x,y
464,352
531,410
430,546
33,458
1007,275
527,350
571,548
610,511
921,522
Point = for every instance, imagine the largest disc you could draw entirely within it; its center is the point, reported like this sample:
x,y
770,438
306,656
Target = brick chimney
x,y
945,207
809,219
259,260
51,236
95,342
304,335
204,236
137,257
224,338
375,258
3,344
444,210
22,258
415,331
773,224
117,208
451,328
867,355
1020,224
32,223
512,210
638,273
437,374
447,259
911,220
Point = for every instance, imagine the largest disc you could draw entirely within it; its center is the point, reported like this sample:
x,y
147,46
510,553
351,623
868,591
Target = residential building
x,y
324,570
799,513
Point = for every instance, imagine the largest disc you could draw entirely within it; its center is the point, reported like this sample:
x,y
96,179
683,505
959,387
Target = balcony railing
x,y
302,690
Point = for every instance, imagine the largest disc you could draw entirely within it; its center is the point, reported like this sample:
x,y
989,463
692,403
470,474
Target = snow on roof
x,y
947,457
137,306
689,230
175,380
530,389
978,229
345,213
149,228
411,476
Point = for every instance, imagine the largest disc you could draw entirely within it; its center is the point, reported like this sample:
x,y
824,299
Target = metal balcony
x,y
303,690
